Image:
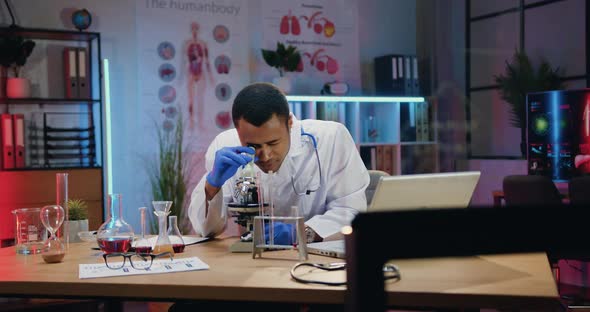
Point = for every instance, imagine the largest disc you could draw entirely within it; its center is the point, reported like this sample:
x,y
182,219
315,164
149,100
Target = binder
x,y
388,159
425,122
71,73
83,79
415,79
408,83
400,75
7,141
18,123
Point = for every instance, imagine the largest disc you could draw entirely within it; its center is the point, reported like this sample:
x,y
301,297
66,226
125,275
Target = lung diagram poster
x,y
325,33
192,62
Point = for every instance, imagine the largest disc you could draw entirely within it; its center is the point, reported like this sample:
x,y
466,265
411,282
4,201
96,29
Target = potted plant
x,y
284,59
168,172
77,218
14,51
521,78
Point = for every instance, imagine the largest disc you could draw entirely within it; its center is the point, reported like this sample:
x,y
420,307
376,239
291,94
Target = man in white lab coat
x,y
266,131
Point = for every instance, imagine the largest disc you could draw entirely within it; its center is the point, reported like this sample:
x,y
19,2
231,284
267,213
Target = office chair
x,y
579,190
464,232
530,190
374,175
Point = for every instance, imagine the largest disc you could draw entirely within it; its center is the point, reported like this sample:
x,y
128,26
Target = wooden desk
x,y
501,282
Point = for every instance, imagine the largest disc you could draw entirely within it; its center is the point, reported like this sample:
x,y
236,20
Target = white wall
x,y
385,26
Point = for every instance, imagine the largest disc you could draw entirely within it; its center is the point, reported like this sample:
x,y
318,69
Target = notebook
x,y
412,191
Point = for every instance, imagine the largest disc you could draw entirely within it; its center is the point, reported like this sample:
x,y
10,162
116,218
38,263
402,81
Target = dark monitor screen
x,y
558,133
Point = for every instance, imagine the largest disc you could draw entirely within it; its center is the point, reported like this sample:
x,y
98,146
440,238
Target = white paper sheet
x,y
94,270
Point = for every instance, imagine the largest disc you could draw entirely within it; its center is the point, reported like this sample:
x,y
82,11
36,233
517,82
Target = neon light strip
x,y
107,113
555,132
372,99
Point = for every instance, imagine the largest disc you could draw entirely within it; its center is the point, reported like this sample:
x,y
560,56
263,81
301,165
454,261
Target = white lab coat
x,y
339,199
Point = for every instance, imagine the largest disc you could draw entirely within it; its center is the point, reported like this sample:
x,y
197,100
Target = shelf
x,y
50,34
355,99
418,143
377,143
57,101
49,168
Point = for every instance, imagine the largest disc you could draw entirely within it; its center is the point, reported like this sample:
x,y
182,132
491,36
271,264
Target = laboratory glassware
x,y
52,217
115,235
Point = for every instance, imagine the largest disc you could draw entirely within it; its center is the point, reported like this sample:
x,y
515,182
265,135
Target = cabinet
x,y
62,124
393,134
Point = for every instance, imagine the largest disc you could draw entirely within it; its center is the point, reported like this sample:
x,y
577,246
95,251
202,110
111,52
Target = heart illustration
x,y
222,120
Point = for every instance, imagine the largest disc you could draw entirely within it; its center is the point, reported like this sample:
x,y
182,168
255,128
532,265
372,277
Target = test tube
x,y
294,215
271,232
260,198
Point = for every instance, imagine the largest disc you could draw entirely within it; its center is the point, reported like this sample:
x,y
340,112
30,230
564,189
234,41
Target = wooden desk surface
x,y
501,281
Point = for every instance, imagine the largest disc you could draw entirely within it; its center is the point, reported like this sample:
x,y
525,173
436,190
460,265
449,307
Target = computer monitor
x,y
431,190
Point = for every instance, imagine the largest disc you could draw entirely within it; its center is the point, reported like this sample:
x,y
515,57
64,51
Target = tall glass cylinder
x,y
115,235
61,199
143,245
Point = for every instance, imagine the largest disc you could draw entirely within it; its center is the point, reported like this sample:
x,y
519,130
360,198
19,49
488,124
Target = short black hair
x,y
258,102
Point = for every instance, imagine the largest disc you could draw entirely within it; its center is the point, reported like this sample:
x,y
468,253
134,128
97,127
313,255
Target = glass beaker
x,y
115,235
162,210
174,235
30,232
143,245
52,217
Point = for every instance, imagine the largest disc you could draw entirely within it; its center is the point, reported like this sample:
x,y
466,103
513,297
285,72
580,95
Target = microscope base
x,y
240,246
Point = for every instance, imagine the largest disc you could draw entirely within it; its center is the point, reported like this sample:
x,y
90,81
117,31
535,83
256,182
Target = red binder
x,y
18,125
7,141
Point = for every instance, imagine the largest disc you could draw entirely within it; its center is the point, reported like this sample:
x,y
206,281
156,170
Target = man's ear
x,y
290,121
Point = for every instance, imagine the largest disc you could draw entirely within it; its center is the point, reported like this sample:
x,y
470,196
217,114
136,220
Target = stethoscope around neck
x,y
315,150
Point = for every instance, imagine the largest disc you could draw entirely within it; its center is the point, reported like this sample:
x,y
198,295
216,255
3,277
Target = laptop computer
x,y
409,192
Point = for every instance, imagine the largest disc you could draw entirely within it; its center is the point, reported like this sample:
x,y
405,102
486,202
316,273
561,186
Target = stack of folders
x,y
12,138
379,157
397,74
414,122
76,80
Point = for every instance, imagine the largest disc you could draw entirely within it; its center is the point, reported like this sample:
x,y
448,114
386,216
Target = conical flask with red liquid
x,y
174,235
115,235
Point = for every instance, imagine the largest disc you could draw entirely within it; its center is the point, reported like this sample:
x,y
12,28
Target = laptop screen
x,y
418,191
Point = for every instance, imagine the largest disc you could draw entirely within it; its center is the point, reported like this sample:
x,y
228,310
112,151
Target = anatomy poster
x,y
192,62
326,34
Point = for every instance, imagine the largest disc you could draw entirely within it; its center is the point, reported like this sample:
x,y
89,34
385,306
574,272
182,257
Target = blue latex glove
x,y
283,233
227,162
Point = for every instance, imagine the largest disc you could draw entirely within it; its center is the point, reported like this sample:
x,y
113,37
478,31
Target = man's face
x,y
271,141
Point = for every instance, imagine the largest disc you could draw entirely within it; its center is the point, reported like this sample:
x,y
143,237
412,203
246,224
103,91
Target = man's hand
x,y
283,233
227,162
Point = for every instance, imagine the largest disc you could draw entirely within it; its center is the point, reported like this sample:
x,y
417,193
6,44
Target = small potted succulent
x,y
77,218
14,52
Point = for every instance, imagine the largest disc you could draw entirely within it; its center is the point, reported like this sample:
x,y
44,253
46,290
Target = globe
x,y
81,19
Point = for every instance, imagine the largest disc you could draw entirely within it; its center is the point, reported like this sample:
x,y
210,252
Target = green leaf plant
x,y
520,78
168,172
284,59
